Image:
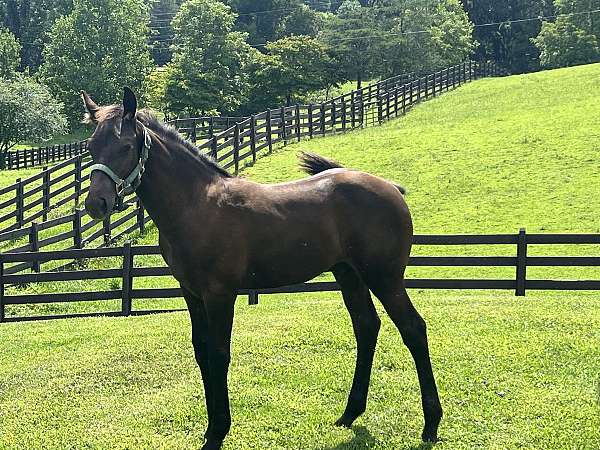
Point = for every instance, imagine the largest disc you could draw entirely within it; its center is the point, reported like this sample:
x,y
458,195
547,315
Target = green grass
x,y
513,373
75,135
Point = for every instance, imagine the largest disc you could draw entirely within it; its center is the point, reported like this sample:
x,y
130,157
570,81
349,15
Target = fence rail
x,y
40,156
31,199
130,270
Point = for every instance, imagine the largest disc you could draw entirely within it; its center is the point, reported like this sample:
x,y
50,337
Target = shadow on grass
x,y
363,439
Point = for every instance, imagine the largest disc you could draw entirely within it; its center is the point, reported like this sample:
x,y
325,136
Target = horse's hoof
x,y
212,445
344,421
429,437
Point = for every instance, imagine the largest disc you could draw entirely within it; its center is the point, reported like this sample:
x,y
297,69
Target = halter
x,y
129,184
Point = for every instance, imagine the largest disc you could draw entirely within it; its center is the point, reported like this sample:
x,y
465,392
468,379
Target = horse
x,y
219,233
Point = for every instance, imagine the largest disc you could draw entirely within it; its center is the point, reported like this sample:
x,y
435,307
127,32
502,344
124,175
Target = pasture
x,y
492,156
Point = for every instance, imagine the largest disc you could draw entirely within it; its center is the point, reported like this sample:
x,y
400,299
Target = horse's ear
x,y
91,107
129,104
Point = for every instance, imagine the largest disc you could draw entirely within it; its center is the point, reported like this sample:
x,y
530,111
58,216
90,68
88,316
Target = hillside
x,y
492,156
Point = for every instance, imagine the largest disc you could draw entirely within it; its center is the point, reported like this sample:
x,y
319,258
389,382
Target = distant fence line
x,y
130,271
40,156
28,200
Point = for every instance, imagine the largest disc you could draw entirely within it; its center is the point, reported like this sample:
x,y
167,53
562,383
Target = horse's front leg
x,y
200,343
219,306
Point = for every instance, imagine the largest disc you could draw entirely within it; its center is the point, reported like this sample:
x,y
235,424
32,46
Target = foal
x,y
219,234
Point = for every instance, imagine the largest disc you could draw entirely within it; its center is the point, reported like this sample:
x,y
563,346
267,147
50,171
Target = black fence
x,y
130,270
33,157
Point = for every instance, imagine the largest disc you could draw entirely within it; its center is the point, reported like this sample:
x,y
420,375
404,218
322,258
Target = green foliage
x,y
100,47
209,68
508,43
563,43
292,68
9,54
302,21
262,19
398,36
155,89
27,112
30,21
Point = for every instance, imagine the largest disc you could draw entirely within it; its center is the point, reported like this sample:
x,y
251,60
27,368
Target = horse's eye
x,y
128,147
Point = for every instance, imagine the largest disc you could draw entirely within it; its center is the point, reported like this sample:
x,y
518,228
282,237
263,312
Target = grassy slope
x,y
491,156
513,373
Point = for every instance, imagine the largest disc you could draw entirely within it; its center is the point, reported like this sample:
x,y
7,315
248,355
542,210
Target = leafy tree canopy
x,y
30,21
27,112
9,54
209,69
100,47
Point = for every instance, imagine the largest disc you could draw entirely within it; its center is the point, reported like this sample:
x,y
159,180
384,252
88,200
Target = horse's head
x,y
119,150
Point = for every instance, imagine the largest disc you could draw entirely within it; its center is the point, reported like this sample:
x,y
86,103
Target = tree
x,y
30,21
563,44
302,21
355,40
507,39
208,73
9,54
262,19
27,112
293,67
100,47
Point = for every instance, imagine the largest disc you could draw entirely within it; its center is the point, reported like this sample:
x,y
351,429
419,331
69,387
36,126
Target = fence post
x,y
213,148
252,297
77,176
126,280
45,192
379,109
77,233
19,203
253,137
34,243
333,116
353,109
310,121
140,216
322,113
236,147
344,118
298,122
521,263
269,130
1,289
3,160
193,133
107,231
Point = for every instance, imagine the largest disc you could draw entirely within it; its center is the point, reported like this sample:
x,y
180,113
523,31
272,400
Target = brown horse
x,y
219,234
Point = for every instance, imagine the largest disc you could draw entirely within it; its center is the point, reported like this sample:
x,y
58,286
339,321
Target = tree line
x,y
208,57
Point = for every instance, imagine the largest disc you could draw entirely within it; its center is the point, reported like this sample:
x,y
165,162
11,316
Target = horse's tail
x,y
313,164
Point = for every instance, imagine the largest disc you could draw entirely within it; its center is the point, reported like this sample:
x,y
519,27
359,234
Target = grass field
x,y
513,373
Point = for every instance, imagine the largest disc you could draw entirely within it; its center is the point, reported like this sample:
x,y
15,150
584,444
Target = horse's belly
x,y
291,264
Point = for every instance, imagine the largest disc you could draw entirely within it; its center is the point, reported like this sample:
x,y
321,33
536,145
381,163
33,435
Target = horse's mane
x,y
166,132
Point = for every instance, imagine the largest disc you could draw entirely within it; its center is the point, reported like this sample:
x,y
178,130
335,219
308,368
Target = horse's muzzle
x,y
96,207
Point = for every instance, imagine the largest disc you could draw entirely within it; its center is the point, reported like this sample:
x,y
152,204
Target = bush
x,y
28,111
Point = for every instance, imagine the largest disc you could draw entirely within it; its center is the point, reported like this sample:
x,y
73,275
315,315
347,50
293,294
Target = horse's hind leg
x,y
366,325
391,292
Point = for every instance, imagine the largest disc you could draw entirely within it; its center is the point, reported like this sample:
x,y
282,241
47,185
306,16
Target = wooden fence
x,y
31,199
40,156
130,270
73,231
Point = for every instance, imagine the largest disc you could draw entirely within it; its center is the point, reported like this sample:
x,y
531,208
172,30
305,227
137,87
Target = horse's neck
x,y
168,182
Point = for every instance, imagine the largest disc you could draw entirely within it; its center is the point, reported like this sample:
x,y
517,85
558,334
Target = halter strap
x,y
129,184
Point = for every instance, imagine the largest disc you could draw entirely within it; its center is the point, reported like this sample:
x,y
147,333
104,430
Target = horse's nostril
x,y
96,207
